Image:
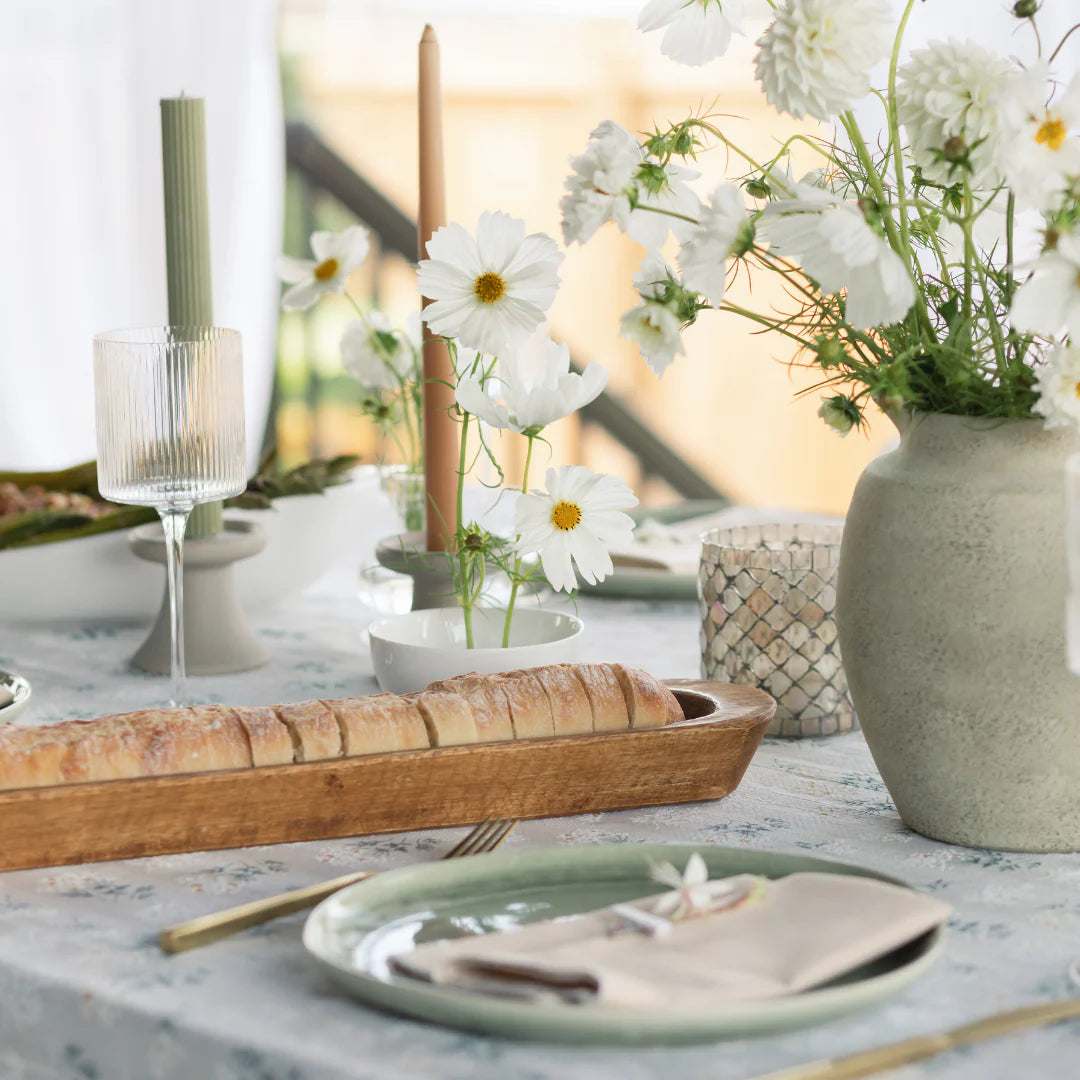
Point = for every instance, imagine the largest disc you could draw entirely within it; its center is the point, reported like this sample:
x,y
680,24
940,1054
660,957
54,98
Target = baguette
x,y
529,704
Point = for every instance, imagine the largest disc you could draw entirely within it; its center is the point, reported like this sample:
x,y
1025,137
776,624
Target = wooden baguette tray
x,y
701,758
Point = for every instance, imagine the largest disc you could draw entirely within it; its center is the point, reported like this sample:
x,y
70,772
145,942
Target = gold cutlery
x,y
870,1062
487,836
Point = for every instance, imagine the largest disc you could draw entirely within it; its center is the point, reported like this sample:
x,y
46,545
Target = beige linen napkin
x,y
804,931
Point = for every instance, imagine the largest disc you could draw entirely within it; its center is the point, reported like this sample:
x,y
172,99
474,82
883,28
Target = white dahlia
x,y
1039,152
831,240
1048,303
703,256
1058,385
490,290
947,97
695,31
815,58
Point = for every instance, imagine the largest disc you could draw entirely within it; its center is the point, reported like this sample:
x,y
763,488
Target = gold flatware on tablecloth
x,y
487,836
871,1062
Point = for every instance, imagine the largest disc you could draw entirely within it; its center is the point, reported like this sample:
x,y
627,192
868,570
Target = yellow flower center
x,y
1051,133
1076,389
489,287
326,269
566,516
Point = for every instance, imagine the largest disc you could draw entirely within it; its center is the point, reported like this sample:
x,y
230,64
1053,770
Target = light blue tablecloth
x,y
85,992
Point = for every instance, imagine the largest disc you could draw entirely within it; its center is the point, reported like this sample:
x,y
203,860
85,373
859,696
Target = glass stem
x,y
174,522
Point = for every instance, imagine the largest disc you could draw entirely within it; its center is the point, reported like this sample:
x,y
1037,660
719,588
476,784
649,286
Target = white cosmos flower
x,y
815,58
1058,385
576,520
704,254
490,290
532,396
337,255
606,186
1048,303
654,324
834,245
1038,154
950,91
601,183
697,31
376,355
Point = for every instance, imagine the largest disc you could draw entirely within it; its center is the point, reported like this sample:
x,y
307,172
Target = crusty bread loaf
x,y
529,704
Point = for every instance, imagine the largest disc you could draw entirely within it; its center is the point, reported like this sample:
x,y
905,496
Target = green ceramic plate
x,y
357,930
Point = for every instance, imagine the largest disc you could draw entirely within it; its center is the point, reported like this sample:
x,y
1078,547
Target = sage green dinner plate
x,y
356,931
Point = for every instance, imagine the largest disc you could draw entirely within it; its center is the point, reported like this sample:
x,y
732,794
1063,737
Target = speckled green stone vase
x,y
951,613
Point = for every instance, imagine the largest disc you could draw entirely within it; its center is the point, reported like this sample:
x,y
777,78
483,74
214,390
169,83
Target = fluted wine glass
x,y
170,434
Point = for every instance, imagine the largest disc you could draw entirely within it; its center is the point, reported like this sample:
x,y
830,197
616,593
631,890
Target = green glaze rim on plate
x,y
331,935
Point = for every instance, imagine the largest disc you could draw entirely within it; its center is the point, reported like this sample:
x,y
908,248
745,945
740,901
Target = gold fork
x,y
487,836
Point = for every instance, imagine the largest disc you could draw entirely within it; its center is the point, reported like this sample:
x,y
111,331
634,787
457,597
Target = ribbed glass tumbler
x,y
170,433
768,594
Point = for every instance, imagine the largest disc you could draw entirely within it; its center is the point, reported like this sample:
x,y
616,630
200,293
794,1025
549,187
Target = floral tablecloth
x,y
85,992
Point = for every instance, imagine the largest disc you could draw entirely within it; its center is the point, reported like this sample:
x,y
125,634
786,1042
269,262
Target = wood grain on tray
x,y
471,708
703,756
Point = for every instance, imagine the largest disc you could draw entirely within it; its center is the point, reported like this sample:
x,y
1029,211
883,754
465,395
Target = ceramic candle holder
x,y
410,651
767,597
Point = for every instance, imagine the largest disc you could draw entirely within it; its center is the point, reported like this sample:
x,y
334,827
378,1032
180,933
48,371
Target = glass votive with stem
x,y
170,434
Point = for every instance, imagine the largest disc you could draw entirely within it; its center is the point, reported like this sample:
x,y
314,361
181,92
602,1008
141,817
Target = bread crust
x,y
449,717
313,728
610,711
571,713
650,703
268,737
524,704
379,725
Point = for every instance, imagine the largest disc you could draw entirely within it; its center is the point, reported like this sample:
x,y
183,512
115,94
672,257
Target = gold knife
x,y
925,1046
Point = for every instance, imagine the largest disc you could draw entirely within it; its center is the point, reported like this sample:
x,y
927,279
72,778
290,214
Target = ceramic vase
x,y
951,613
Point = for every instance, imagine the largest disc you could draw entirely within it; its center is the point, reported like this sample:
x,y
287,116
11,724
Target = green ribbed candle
x,y
187,240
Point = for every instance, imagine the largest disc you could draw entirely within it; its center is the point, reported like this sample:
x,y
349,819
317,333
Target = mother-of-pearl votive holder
x,y
767,595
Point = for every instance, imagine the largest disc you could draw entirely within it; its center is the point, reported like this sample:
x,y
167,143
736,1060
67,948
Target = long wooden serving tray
x,y
702,758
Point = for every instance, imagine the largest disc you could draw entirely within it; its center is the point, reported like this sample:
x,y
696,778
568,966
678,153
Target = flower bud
x,y
1025,9
840,413
955,149
758,188
830,352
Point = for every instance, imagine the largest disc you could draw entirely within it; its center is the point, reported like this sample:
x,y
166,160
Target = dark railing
x,y
321,168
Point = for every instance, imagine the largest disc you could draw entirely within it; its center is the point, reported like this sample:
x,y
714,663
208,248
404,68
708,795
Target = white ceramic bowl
x,y
15,696
98,578
410,651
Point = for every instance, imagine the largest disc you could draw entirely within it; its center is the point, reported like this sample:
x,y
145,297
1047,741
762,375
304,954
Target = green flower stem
x,y
894,132
668,213
516,580
464,595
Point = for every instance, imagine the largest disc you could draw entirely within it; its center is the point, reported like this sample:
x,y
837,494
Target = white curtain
x,y
81,218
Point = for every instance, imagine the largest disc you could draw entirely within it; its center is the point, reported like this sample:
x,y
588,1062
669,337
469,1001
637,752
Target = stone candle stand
x,y
432,572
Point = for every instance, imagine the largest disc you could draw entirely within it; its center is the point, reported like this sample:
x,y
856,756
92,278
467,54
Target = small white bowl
x,y
409,651
14,696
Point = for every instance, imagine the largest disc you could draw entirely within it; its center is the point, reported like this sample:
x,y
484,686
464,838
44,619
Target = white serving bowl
x,y
98,578
409,651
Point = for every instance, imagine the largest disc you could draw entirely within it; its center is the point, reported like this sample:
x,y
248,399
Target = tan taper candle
x,y
442,441
187,240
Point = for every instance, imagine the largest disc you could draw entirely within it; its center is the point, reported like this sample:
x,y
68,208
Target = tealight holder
x,y
767,597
